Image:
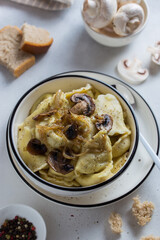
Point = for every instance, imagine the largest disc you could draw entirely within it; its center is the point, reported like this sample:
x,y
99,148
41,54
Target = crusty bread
x,y
16,60
142,211
115,222
35,40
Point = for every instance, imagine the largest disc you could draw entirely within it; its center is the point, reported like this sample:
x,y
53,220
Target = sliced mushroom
x,y
72,131
35,147
45,114
155,52
58,163
84,104
104,122
132,71
99,13
128,19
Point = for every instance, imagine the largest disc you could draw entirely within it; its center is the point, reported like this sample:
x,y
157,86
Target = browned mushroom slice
x,y
84,104
58,163
72,131
35,147
104,122
45,114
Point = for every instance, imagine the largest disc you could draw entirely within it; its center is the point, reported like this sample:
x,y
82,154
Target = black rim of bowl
x,y
70,189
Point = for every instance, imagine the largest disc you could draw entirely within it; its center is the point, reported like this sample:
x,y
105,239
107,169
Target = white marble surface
x,y
73,49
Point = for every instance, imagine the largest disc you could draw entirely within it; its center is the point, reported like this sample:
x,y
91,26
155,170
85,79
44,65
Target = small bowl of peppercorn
x,y
20,221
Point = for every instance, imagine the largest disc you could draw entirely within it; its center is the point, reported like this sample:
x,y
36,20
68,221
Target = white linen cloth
x,y
46,4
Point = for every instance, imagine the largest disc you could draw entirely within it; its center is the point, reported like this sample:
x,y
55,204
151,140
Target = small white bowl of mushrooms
x,y
114,23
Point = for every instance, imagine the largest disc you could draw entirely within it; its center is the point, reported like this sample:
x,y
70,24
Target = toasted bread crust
x,y
35,48
24,66
35,40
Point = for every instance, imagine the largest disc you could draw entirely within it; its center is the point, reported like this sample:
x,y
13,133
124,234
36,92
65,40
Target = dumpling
x,y
58,180
99,154
121,146
85,89
34,162
108,104
92,179
119,162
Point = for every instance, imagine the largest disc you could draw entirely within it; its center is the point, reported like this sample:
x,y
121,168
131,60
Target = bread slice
x,y
35,40
16,60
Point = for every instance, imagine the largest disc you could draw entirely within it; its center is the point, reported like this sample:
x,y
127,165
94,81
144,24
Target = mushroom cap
x,y
84,104
155,53
128,19
35,147
132,71
99,13
71,131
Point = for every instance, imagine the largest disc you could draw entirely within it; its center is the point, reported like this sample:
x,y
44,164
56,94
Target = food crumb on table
x,y
142,211
150,238
115,222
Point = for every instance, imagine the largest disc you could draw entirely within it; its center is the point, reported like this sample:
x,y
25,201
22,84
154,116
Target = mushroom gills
x,y
104,122
132,71
58,163
84,104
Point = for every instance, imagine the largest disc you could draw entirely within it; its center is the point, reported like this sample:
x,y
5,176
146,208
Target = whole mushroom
x,y
128,19
84,104
99,13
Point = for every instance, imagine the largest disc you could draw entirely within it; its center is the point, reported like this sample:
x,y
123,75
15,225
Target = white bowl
x,y
65,83
109,41
24,211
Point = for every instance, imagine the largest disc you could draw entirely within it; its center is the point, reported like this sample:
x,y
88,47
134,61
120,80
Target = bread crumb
x,y
142,211
115,222
150,238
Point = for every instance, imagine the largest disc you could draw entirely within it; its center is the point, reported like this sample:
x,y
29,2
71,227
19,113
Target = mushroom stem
x,y
133,24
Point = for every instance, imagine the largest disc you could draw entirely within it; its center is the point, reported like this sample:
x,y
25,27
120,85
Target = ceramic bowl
x,y
65,83
115,41
24,211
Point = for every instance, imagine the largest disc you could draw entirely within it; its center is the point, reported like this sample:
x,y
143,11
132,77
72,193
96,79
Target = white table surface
x,y
73,49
